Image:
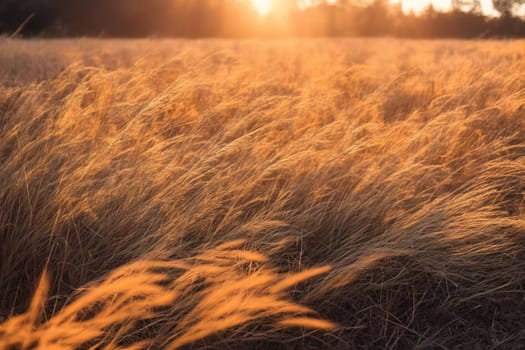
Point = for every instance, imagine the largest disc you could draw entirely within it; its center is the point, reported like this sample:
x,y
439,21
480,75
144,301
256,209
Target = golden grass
x,y
209,294
192,194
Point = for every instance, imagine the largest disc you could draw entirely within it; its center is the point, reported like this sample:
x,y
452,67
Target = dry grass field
x,y
294,194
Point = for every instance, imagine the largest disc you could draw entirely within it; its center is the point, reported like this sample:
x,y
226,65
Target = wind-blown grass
x,y
129,167
209,295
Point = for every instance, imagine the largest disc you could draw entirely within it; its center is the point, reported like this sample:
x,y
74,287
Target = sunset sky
x,y
419,5
265,6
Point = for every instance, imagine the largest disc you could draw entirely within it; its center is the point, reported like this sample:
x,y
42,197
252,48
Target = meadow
x,y
245,194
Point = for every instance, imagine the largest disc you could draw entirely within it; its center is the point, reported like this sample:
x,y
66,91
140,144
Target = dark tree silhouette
x,y
504,7
238,18
472,6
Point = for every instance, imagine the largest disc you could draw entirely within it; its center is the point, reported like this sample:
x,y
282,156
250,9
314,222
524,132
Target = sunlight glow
x,y
262,6
418,6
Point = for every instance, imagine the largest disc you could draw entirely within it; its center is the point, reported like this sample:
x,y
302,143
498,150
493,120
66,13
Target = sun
x,y
262,6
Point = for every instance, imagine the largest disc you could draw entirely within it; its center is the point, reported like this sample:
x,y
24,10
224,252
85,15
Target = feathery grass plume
x,y
185,300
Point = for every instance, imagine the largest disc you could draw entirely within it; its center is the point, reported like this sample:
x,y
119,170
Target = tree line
x,y
237,18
